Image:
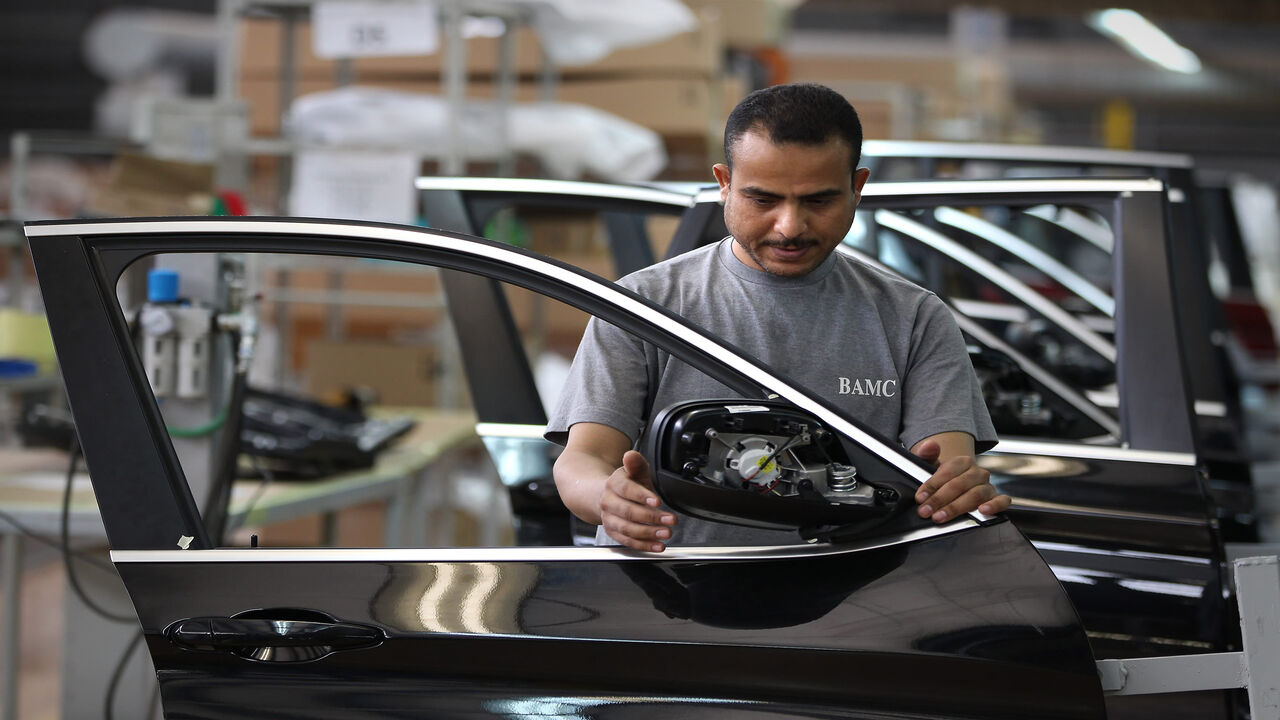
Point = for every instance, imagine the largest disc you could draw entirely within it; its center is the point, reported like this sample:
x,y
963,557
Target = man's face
x,y
788,205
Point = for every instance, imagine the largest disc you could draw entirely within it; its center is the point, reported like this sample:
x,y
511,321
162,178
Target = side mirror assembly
x,y
764,464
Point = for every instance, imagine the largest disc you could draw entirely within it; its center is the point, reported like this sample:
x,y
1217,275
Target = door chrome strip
x,y
1058,154
1093,452
1111,399
1073,222
532,554
510,430
1211,408
1029,253
1007,282
533,186
983,310
1010,187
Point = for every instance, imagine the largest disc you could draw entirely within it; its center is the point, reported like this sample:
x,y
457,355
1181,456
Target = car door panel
x,y
844,631
851,629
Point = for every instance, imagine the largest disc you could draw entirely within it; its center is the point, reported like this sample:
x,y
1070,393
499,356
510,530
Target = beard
x,y
787,244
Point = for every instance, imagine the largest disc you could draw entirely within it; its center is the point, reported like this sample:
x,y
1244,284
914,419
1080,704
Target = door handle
x,y
272,640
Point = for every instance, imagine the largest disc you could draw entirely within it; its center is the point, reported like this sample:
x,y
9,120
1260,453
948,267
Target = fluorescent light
x,y
1140,37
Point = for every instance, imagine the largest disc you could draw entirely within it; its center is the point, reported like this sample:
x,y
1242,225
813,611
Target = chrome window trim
x,y
1062,154
707,195
1211,408
1014,187
510,430
995,274
1078,224
1099,323
1110,399
600,288
558,187
1092,452
532,554
1043,376
1033,255
984,310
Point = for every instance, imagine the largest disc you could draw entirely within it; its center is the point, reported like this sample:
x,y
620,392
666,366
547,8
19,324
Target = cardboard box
x,y
930,74
699,52
747,24
261,40
142,186
668,106
895,97
405,375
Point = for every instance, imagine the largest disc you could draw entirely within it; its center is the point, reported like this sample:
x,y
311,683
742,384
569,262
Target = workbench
x,y
413,477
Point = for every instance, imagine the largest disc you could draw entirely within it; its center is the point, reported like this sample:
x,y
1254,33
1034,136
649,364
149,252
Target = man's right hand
x,y
604,482
629,508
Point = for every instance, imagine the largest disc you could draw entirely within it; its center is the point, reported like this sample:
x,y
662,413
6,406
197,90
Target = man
x,y
885,350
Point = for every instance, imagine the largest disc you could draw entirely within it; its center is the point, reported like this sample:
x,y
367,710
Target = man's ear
x,y
859,179
721,172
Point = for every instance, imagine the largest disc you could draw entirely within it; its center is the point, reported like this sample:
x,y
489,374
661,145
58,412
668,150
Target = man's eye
x,y
819,201
761,202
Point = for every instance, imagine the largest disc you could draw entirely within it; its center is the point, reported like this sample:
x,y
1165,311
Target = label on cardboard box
x,y
359,28
354,184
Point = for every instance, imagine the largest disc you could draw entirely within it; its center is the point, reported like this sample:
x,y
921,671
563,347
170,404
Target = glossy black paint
x,y
850,632
1133,545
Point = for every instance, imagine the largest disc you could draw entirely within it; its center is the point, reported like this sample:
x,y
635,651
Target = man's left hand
x,y
958,486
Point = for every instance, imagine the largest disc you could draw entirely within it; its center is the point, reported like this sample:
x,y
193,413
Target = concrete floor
x,y
39,672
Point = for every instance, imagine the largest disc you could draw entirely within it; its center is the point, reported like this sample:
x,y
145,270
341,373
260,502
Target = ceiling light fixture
x,y
1142,38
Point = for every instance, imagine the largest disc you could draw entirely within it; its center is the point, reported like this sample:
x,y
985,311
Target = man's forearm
x,y
580,479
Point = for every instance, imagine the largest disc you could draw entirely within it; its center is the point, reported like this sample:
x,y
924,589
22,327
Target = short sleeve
x,y
608,383
941,392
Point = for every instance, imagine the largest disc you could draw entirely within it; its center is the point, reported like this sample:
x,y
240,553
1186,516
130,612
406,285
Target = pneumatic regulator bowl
x,y
762,464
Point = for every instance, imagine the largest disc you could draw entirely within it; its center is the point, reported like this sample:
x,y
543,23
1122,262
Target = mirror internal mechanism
x,y
790,458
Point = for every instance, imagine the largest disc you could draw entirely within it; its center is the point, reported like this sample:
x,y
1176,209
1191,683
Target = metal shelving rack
x,y
453,156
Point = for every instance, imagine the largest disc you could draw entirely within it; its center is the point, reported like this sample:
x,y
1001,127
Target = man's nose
x,y
792,220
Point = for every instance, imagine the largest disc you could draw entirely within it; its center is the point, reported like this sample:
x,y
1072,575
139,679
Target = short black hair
x,y
805,113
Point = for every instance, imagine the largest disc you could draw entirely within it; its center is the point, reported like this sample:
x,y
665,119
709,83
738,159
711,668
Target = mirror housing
x,y
763,464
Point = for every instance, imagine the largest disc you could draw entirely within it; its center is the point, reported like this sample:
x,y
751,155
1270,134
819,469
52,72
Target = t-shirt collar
x,y
730,261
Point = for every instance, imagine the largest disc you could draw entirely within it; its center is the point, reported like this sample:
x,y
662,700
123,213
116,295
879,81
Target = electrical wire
x,y
108,703
200,430
32,534
65,544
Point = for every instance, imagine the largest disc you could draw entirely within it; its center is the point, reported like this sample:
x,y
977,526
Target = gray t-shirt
x,y
886,351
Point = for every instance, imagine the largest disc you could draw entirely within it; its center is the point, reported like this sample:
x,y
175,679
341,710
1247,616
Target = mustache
x,y
792,243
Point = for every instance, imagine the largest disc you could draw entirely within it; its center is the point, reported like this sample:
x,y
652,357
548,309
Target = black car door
x,y
908,620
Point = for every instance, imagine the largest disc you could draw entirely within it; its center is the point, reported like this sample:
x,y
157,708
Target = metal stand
x,y
1256,668
11,563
